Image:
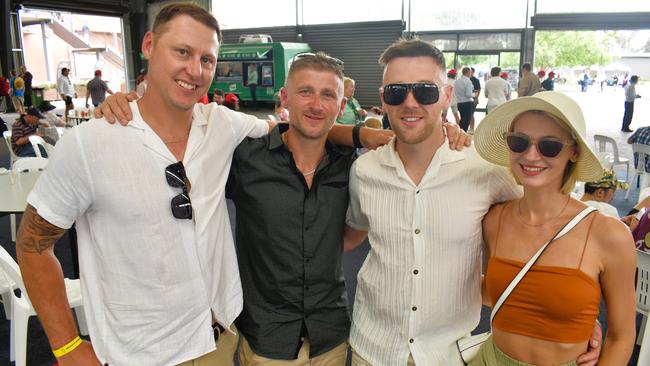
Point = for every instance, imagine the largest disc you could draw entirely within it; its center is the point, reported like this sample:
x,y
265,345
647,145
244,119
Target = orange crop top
x,y
557,304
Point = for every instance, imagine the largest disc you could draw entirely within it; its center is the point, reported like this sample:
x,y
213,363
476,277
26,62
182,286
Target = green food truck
x,y
270,60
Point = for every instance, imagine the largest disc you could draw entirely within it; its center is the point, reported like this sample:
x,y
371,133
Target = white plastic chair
x,y
644,152
12,155
37,141
22,308
643,305
6,286
25,165
601,142
30,164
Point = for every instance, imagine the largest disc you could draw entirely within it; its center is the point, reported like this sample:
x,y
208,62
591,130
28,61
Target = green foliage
x,y
510,60
571,48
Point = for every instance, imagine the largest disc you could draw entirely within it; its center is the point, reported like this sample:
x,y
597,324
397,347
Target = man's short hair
x,y
318,61
348,80
526,67
466,70
592,189
194,11
634,78
412,48
218,92
495,71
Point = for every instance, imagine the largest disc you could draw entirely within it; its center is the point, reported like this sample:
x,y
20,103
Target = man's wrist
x,y
69,347
356,139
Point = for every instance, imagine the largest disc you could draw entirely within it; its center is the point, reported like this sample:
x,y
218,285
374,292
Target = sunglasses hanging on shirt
x,y
181,204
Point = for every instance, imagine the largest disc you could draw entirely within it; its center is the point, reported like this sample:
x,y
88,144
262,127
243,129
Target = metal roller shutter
x,y
358,45
279,34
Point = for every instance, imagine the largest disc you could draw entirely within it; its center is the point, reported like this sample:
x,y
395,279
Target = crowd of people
x,y
166,281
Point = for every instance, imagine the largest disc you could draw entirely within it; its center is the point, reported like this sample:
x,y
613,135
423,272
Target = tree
x,y
571,48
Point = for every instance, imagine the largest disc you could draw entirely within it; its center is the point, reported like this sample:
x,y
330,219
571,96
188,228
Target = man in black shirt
x,y
27,76
290,191
477,91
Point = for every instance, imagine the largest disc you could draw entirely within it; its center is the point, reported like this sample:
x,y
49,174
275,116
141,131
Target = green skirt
x,y
491,355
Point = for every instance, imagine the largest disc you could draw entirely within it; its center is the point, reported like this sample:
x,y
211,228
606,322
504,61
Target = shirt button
x,y
415,271
411,340
417,231
307,260
417,192
414,308
307,288
307,228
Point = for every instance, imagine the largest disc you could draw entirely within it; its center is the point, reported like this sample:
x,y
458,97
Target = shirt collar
x,y
388,155
198,119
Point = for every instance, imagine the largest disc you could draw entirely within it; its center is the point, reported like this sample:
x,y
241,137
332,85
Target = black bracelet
x,y
355,136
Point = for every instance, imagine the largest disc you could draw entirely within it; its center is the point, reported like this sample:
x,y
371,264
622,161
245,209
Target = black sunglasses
x,y
181,204
549,147
424,93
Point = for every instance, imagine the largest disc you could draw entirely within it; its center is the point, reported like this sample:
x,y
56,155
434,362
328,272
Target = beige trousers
x,y
335,357
357,360
222,356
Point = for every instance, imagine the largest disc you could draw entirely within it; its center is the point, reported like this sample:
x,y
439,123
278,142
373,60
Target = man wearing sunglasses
x,y
421,205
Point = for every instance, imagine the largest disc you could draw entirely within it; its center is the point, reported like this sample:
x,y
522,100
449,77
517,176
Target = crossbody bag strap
x,y
534,258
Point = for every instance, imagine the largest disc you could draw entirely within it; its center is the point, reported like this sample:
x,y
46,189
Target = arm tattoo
x,y
36,234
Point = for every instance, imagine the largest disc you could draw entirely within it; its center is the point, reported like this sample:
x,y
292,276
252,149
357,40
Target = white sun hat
x,y
491,144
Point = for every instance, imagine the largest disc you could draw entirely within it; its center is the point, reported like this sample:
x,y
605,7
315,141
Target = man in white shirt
x,y
159,274
599,194
496,89
421,205
66,91
464,90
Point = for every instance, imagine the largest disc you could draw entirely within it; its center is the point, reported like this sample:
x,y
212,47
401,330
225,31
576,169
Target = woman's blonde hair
x,y
569,179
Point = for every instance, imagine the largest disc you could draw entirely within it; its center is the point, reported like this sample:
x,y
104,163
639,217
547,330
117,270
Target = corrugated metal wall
x,y
359,45
279,34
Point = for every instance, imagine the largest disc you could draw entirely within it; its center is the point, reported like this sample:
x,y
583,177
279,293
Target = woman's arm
x,y
490,228
618,258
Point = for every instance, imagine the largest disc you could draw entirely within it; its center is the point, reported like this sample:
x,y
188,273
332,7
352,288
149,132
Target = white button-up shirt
x,y
152,284
64,86
419,289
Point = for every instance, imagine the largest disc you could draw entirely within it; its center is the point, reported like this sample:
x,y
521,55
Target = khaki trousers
x,y
222,356
357,360
335,357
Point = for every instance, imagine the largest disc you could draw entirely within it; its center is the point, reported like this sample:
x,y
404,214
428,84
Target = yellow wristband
x,y
59,352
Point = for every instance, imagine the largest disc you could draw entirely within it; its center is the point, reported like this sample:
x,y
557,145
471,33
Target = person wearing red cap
x,y
451,79
231,101
504,75
97,89
549,83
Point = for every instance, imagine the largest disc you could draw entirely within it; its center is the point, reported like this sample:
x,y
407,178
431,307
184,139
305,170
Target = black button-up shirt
x,y
289,242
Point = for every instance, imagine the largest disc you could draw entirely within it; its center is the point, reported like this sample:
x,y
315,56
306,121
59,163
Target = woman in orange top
x,y
549,317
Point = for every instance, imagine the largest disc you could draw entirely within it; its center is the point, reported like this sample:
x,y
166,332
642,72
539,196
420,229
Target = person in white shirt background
x,y
496,89
66,91
464,90
600,193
